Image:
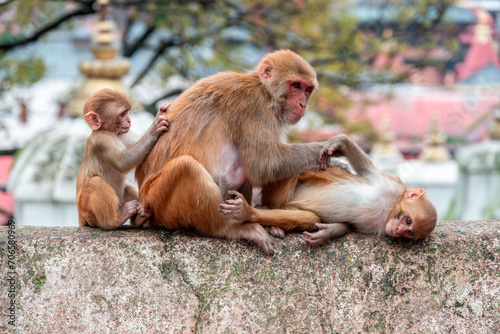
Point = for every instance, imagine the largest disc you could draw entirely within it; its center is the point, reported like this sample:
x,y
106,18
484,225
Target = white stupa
x,y
434,171
478,193
385,155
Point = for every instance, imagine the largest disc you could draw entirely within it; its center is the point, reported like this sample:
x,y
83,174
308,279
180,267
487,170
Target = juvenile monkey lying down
x,y
327,204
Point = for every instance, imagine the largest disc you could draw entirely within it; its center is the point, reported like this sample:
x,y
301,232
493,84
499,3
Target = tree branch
x,y
86,10
152,61
3,4
128,26
434,23
129,50
167,95
439,17
176,41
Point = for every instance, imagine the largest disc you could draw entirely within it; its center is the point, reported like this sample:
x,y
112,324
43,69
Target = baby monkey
x,y
332,201
103,196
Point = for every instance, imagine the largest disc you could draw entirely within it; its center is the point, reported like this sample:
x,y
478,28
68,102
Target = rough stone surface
x,y
85,280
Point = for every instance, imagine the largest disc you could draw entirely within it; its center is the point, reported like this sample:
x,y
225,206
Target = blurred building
x,y
492,6
463,93
461,97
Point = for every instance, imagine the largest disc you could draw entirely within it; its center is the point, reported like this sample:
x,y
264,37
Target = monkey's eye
x,y
309,89
411,235
296,85
408,220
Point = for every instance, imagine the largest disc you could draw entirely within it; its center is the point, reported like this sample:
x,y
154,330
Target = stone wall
x,y
86,280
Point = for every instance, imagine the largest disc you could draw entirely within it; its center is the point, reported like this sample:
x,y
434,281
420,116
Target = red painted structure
x,y
6,198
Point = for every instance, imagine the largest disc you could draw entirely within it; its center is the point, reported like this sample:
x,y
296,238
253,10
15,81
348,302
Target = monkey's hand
x,y
128,210
164,108
143,214
333,147
160,124
319,237
237,207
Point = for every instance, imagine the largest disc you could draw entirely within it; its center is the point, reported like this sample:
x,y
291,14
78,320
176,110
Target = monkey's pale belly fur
x,y
228,171
364,205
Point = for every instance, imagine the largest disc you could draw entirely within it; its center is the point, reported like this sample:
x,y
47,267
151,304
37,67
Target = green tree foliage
x,y
195,38
15,72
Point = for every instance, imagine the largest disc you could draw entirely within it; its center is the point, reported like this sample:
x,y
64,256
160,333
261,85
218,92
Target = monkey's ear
x,y
93,120
265,71
414,193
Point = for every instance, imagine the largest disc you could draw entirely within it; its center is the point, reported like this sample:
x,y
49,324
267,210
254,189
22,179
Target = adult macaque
x,y
103,196
334,200
227,133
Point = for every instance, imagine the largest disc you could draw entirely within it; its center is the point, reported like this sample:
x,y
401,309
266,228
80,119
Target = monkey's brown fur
x,y
371,202
225,130
104,198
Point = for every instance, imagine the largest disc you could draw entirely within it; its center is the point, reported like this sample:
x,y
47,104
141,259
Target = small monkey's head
x,y
108,110
414,217
290,81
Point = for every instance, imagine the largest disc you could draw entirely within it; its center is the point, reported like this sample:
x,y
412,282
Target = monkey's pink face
x,y
122,123
299,92
400,226
416,216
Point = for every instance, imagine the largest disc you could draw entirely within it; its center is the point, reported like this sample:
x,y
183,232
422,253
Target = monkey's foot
x,y
252,232
238,207
276,232
267,246
264,241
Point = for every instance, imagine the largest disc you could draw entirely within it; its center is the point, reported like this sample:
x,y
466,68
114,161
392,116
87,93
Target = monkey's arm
x,y
342,145
135,154
111,152
267,159
297,158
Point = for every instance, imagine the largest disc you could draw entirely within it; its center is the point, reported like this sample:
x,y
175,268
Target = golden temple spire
x,y
104,71
434,150
385,146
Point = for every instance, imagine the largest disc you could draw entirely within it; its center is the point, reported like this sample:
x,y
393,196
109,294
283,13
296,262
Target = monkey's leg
x,y
184,195
277,194
130,193
98,206
281,219
288,218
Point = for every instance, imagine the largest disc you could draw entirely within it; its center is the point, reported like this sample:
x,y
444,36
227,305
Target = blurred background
x,y
416,83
